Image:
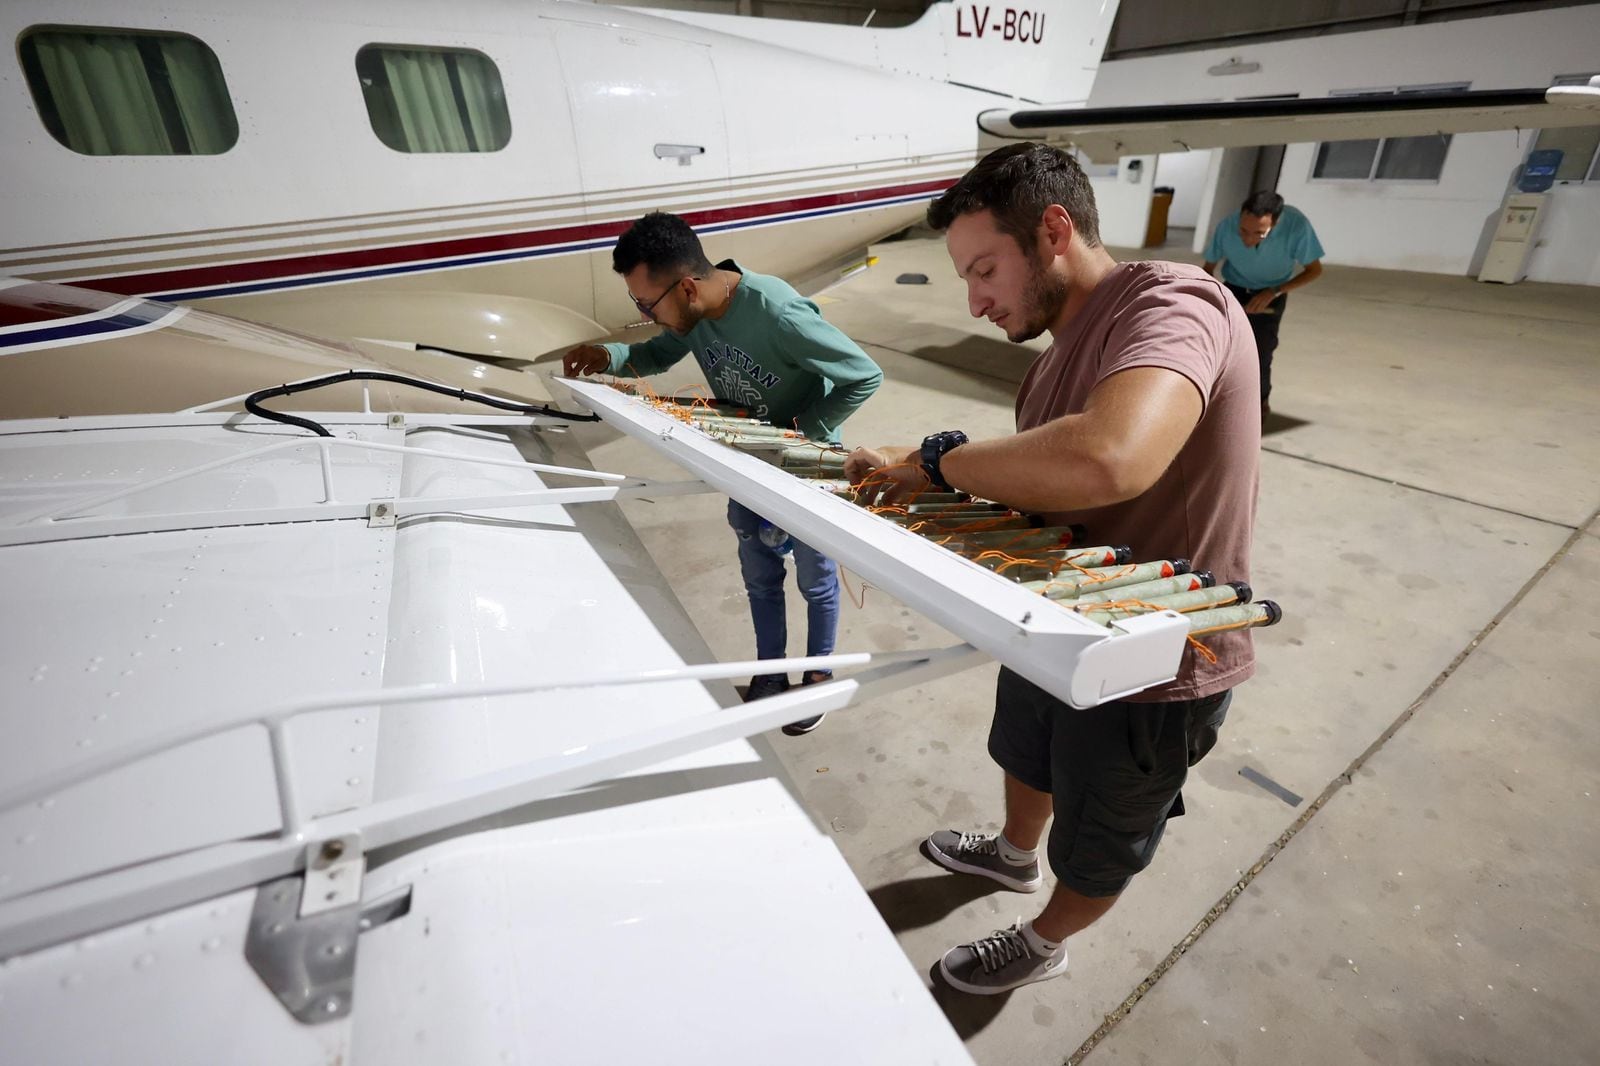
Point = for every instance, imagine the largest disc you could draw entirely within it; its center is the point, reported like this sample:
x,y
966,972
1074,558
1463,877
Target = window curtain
x,y
200,94
445,102
484,99
102,94
106,93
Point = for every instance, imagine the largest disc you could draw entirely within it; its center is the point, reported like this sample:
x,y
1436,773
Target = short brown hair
x,y
1017,183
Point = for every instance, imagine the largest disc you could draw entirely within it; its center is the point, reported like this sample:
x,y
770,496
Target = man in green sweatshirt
x,y
765,348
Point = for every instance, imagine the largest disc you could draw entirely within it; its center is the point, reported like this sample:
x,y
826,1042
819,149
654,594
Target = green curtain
x,y
431,116
102,94
420,82
201,94
485,101
101,88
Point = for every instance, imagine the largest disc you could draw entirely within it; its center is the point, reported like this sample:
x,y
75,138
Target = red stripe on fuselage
x,y
266,269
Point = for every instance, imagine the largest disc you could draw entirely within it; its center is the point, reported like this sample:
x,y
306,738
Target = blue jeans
x,y
762,568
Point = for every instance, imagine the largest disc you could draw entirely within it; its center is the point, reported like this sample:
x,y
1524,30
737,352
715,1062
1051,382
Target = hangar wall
x,y
1438,226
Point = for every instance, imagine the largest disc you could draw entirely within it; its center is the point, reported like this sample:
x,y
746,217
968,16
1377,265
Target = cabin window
x,y
1385,158
128,92
433,99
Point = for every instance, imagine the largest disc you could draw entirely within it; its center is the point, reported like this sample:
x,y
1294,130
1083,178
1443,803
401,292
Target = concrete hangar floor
x,y
1422,888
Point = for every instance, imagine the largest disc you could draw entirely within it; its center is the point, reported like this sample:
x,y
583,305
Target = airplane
x,y
392,744
790,146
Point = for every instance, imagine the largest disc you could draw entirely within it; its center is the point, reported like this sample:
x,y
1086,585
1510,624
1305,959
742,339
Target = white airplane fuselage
x,y
780,157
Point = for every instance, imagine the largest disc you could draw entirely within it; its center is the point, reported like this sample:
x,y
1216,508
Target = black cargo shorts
x,y
1115,773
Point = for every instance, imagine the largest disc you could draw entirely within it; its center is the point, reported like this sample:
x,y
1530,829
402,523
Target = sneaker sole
x,y
991,990
1017,884
800,729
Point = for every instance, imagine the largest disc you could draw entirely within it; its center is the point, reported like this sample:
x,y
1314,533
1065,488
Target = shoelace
x,y
1001,947
978,844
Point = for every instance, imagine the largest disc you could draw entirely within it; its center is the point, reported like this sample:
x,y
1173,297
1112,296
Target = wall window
x,y
128,92
433,99
1580,145
1385,158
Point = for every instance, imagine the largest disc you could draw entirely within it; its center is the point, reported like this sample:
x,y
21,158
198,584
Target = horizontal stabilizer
x,y
1107,133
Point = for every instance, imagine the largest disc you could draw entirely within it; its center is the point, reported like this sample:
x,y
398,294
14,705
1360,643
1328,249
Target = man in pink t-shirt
x,y
1141,421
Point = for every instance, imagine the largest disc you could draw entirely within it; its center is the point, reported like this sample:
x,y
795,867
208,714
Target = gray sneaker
x,y
972,853
999,962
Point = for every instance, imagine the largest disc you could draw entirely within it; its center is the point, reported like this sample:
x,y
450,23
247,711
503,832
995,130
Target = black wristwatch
x,y
934,448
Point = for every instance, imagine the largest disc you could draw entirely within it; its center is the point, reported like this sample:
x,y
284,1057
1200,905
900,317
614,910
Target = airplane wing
x,y
1107,133
366,730
388,746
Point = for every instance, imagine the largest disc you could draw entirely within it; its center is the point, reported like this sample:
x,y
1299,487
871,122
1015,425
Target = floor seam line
x,y
1420,488
1333,788
1460,310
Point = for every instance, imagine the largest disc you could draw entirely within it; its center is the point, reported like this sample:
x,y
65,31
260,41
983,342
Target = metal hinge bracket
x,y
304,930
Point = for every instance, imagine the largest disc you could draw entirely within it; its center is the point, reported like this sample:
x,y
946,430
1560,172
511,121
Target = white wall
x,y
1187,173
1439,226
1124,206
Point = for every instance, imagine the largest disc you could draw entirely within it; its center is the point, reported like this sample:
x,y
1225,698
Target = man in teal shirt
x,y
1259,247
765,348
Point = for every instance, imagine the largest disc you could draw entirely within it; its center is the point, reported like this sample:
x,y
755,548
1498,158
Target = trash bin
x,y
1155,234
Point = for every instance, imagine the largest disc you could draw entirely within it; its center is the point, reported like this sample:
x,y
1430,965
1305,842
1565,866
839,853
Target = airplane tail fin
x,y
1029,49
1037,51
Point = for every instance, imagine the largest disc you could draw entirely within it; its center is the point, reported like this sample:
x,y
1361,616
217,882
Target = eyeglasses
x,y
648,310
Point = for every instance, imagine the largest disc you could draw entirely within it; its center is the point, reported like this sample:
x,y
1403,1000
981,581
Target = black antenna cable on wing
x,y
252,402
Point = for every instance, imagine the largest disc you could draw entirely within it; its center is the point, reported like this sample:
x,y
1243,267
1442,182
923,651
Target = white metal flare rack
x,y
1072,658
